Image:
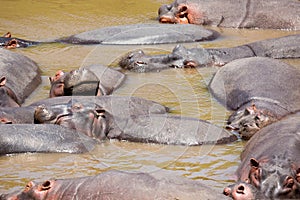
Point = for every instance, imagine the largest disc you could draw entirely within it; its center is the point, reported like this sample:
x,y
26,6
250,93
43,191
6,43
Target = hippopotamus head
x,y
81,82
7,97
275,178
243,191
248,121
90,120
32,190
181,12
180,57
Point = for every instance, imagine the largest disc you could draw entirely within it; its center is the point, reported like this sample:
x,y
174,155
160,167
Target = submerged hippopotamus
x,y
259,90
94,121
48,138
271,161
274,14
135,34
22,74
7,97
283,47
9,42
94,80
117,185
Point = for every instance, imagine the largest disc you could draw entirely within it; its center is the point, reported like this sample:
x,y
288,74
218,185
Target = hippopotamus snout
x,y
241,191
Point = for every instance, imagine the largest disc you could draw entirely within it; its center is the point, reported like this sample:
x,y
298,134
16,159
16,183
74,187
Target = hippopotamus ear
x,y
254,162
2,81
7,35
251,110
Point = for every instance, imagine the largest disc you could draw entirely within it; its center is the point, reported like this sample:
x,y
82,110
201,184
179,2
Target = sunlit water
x,y
184,91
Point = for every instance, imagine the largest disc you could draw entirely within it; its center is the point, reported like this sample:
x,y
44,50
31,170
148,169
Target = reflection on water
x,y
184,91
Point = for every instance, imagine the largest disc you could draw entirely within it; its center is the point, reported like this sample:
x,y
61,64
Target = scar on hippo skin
x,y
248,121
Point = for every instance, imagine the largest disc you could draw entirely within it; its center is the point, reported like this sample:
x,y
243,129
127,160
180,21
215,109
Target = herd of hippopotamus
x,y
262,92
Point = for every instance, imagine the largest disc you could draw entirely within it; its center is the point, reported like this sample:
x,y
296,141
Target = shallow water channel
x,y
184,91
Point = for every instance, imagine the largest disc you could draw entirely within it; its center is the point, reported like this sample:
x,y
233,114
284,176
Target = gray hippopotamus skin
x,y
274,14
270,160
283,47
96,122
22,138
259,90
94,80
22,74
117,185
7,97
142,34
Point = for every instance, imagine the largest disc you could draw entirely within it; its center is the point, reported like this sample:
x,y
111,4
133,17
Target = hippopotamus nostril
x,y
46,185
240,189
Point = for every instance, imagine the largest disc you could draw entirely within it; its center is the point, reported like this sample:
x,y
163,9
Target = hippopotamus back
x,y
257,79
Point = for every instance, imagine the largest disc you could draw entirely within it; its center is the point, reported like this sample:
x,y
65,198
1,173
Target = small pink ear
x,y
2,81
7,35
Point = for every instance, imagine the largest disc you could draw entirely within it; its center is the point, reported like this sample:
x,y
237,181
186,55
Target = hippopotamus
x,y
76,82
94,121
94,80
7,97
9,42
133,34
143,34
270,160
117,185
22,74
259,90
181,57
42,138
272,14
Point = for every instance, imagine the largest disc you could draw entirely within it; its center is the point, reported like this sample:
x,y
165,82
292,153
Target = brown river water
x,y
184,91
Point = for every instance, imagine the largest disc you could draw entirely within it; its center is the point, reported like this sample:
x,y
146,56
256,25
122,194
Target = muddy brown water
x,y
184,91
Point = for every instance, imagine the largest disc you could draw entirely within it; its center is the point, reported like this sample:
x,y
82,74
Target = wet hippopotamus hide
x,y
180,57
110,79
272,86
168,129
90,119
22,74
233,13
7,97
77,82
17,115
143,34
117,185
117,105
22,138
270,159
